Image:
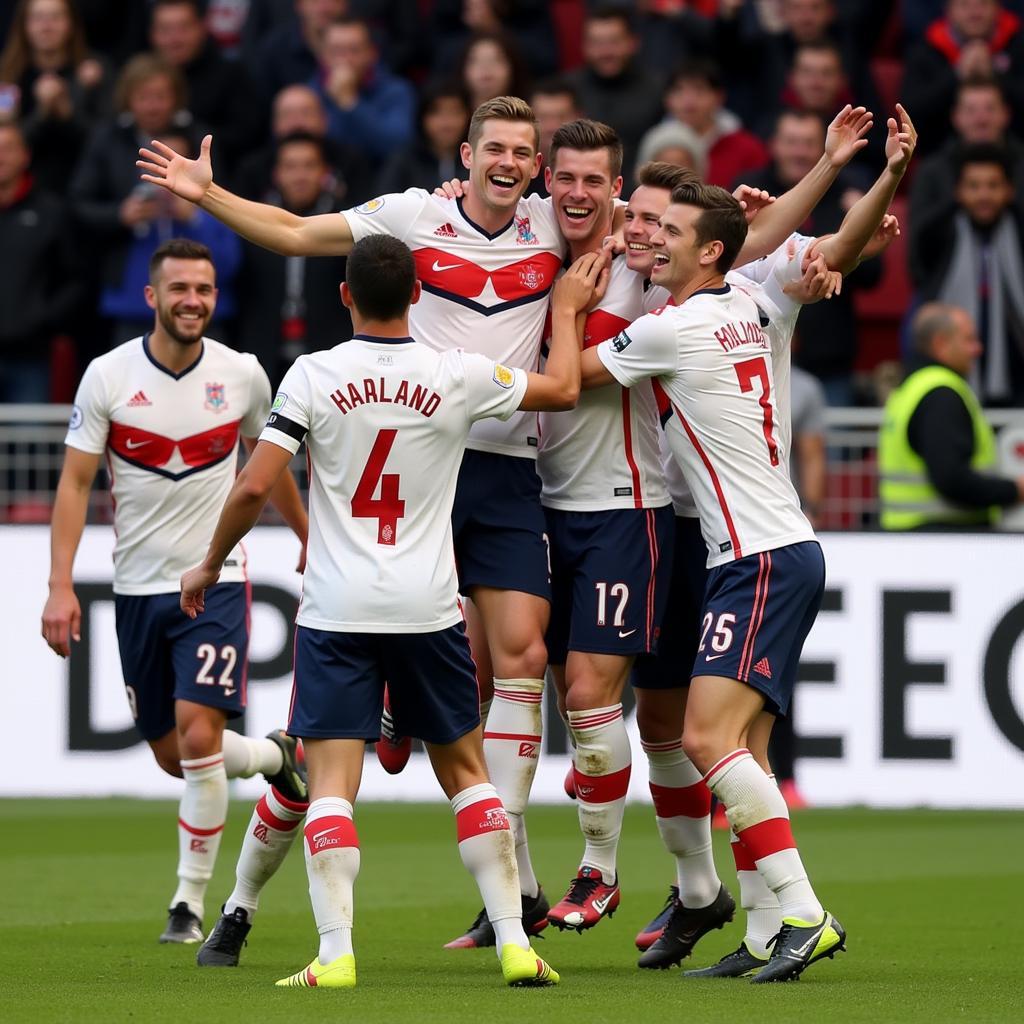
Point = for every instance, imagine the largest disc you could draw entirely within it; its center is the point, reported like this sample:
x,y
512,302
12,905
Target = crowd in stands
x,y
317,105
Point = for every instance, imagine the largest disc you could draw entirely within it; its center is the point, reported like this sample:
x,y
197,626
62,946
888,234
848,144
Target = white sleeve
x,y
290,411
393,214
90,418
259,401
779,269
646,348
492,389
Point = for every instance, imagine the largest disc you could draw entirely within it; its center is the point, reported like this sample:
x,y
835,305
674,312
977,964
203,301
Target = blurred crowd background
x,y
317,105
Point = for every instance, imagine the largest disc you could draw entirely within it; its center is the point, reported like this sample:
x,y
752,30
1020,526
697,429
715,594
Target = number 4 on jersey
x,y
389,507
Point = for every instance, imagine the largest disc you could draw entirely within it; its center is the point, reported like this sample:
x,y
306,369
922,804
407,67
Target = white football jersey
x,y
485,293
713,358
385,422
604,454
171,442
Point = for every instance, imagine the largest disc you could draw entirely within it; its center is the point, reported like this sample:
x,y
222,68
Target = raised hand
x,y
884,234
190,179
583,283
752,200
901,141
817,282
846,135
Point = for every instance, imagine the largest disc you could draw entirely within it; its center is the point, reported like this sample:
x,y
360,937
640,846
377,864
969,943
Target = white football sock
x,y
245,756
202,812
332,864
762,906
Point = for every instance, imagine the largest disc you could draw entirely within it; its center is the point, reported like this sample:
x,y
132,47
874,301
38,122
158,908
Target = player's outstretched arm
x,y
285,497
62,615
325,234
775,223
581,285
843,250
252,487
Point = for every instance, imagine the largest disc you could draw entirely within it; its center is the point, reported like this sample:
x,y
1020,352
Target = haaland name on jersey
x,y
422,399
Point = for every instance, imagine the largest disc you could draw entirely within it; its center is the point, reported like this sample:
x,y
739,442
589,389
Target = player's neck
x,y
381,328
491,218
170,354
593,242
711,280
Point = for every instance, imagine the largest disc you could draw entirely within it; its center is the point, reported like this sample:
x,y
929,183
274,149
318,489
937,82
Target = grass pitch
x,y
931,901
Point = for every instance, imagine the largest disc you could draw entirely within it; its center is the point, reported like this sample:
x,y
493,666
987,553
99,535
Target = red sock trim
x,y
742,856
268,817
330,833
725,760
299,807
601,789
681,801
482,816
529,738
200,831
768,837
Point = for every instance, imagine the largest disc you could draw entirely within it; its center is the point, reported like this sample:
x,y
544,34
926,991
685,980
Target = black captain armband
x,y
286,426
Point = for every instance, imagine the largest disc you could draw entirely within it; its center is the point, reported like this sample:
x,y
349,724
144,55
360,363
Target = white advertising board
x,y
912,689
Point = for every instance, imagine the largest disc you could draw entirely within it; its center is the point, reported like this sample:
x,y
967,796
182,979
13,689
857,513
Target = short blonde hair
x,y
503,108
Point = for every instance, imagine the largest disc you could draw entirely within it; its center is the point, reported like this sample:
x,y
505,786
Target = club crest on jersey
x,y
524,236
530,277
503,376
215,399
371,207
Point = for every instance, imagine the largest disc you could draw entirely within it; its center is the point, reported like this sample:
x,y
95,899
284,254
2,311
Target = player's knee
x,y
698,745
201,737
526,657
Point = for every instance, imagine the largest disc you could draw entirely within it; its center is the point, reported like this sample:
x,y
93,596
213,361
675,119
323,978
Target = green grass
x,y
932,903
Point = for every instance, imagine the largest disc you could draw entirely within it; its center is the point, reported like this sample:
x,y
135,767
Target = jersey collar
x,y
377,340
476,227
724,290
162,368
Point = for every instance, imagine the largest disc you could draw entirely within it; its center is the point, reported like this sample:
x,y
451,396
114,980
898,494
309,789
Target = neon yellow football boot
x,y
339,973
522,967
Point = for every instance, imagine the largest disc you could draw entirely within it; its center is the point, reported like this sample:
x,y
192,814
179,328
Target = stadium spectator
x,y
674,30
975,38
123,302
434,156
490,64
51,83
289,53
298,108
614,86
554,102
937,453
289,304
696,97
826,339
981,115
968,253
221,94
528,22
367,107
115,28
40,286
673,142
105,192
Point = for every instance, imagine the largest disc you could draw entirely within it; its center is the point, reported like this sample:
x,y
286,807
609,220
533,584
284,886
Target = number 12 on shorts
x,y
389,507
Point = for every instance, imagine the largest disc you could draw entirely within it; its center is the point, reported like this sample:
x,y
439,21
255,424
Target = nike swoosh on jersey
x,y
132,445
451,266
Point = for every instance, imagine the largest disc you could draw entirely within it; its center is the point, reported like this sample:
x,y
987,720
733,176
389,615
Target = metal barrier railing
x,y
32,452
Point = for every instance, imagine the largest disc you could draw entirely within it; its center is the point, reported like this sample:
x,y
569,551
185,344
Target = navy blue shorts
x,y
166,656
609,580
758,611
338,691
498,525
671,666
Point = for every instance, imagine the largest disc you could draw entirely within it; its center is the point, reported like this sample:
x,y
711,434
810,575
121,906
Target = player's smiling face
x,y
502,162
676,252
184,295
582,188
643,214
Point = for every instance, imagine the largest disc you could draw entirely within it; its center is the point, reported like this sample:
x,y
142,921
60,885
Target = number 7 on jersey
x,y
389,507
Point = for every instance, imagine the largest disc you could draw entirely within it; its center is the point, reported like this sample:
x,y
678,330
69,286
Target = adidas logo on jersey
x,y
763,668
446,231
139,398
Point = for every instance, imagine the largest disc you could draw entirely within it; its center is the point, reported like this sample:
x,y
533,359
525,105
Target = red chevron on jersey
x,y
153,451
487,291
602,325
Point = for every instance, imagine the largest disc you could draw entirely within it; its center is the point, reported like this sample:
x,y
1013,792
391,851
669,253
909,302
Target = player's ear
x,y
466,152
547,178
616,187
537,161
346,295
150,295
417,291
712,251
